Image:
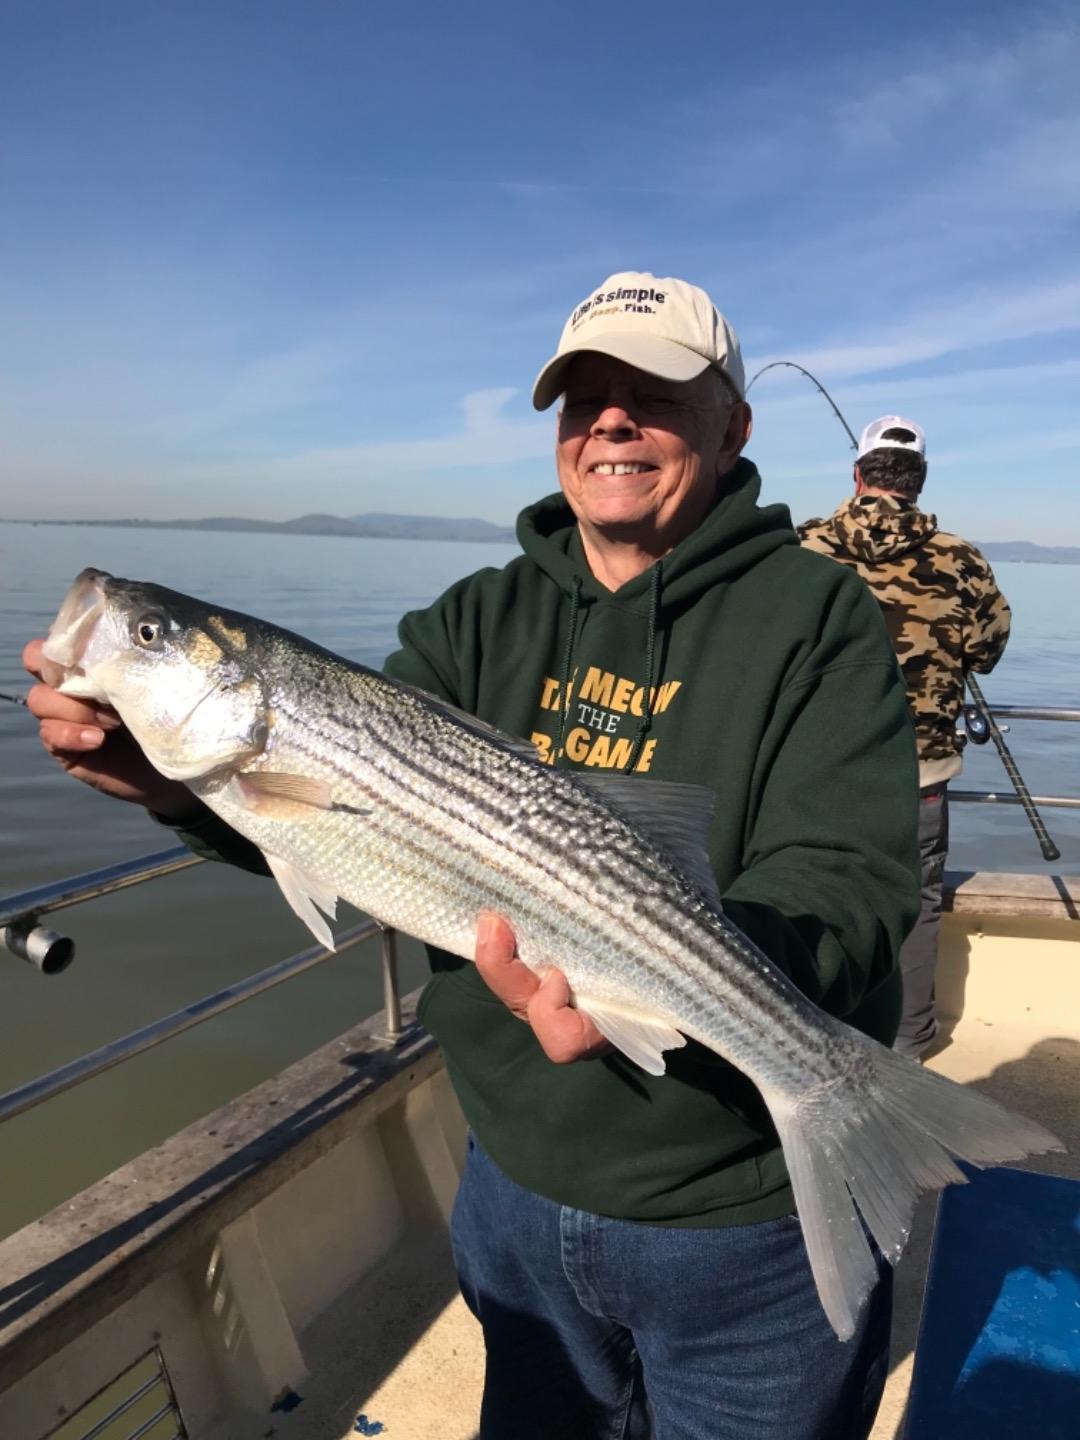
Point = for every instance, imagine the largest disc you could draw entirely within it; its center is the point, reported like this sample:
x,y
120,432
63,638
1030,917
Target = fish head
x,y
183,676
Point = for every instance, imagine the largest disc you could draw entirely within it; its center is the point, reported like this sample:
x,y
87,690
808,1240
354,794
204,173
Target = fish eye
x,y
148,631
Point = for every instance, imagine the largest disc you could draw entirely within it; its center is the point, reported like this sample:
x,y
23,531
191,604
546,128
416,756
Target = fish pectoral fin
x,y
277,796
304,893
641,1038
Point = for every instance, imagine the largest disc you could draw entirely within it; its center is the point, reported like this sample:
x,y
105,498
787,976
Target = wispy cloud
x,y
975,78
986,317
1018,447
487,437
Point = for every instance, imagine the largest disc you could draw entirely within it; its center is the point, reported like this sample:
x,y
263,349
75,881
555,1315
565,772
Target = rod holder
x,y
45,949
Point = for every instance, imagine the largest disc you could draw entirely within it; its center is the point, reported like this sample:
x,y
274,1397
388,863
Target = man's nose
x,y
615,421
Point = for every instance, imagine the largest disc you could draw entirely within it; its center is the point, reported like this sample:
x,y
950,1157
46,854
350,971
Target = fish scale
x,y
357,787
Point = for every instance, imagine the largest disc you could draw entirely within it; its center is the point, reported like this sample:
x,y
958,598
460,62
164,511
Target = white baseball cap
x,y
870,439
662,326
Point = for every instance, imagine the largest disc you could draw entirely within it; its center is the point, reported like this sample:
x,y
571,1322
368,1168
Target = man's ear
x,y
860,484
740,426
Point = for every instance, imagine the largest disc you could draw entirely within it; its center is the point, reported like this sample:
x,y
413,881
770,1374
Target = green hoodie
x,y
772,682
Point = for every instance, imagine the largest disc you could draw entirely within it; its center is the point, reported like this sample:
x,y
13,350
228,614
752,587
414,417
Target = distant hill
x,y
381,526
431,527
375,526
1024,551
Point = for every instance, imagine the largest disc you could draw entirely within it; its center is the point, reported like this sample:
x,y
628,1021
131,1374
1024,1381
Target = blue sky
x,y
265,257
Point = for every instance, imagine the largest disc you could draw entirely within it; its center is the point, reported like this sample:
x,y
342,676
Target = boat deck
x,y
417,1367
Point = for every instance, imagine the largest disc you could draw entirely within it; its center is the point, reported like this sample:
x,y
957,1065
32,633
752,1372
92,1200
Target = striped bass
x,y
360,788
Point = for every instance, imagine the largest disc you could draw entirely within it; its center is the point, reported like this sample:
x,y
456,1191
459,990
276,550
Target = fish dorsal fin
x,y
677,817
304,893
525,748
641,1038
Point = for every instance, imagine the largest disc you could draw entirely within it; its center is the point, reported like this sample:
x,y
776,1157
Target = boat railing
x,y
23,935
998,797
20,914
1034,712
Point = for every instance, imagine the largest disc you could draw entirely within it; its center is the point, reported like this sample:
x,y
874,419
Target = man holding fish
x,y
712,714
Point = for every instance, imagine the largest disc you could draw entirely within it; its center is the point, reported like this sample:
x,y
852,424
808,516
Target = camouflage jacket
x,y
944,612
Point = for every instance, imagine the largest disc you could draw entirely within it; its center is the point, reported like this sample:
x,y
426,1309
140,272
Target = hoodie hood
x,y
733,537
881,527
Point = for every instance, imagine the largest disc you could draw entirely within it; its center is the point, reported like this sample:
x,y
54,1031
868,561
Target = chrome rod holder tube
x,y
45,949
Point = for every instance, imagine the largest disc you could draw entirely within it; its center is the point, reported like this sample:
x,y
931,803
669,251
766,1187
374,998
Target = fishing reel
x,y
976,725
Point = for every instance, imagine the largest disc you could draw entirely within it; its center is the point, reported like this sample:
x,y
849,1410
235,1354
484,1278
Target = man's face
x,y
639,457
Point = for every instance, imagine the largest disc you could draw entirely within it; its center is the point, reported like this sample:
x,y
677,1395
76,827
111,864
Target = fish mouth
x,y
69,634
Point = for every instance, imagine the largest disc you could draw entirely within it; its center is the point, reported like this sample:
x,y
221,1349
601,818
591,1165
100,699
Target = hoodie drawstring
x,y
568,655
645,723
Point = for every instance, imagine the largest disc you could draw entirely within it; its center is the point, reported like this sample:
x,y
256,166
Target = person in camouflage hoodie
x,y
945,616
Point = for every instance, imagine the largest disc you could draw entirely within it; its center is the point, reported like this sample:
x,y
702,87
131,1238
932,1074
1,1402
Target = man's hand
x,y
564,1033
92,743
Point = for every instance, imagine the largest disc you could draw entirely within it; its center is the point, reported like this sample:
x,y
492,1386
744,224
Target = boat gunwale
x,y
94,1252
988,892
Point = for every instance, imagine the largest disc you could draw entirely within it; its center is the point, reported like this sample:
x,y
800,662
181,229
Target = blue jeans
x,y
600,1329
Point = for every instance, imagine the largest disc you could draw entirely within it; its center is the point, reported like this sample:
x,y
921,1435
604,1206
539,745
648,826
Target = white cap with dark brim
x,y
665,327
873,437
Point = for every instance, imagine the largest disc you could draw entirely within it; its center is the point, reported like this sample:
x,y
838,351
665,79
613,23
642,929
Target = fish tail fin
x,y
875,1140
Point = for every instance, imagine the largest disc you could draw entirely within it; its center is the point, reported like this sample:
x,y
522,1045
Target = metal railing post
x,y
391,989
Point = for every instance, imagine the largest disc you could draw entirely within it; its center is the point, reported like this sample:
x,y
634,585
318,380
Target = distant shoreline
x,y
469,531
364,527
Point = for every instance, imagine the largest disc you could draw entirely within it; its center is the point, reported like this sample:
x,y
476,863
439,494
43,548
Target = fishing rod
x,y
814,381
1046,845
15,699
978,733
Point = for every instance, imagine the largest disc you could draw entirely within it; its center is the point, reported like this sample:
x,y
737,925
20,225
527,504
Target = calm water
x,y
143,953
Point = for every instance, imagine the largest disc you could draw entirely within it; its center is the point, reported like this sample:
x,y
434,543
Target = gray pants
x,y
918,954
